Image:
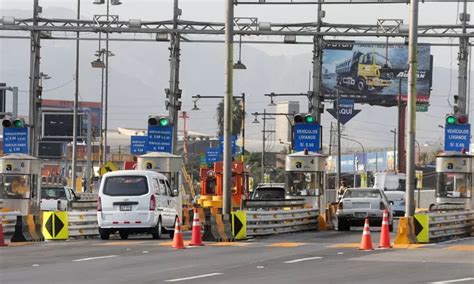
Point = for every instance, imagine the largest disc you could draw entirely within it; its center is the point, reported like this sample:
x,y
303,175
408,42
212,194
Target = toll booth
x,y
212,184
305,175
20,183
454,181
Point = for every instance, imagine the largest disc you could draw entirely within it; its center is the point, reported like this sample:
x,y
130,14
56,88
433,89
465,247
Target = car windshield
x,y
269,193
53,192
125,186
362,194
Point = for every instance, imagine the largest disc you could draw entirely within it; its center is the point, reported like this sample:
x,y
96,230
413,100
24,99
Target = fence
x,y
435,227
83,223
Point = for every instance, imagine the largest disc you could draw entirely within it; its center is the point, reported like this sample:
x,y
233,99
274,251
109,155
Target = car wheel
x,y
390,227
157,231
123,235
104,234
361,86
342,225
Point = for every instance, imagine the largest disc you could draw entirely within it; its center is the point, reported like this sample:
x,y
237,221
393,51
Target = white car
x,y
397,202
136,202
360,203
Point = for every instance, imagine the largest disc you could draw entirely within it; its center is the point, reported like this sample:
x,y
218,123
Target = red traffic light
x,y
462,119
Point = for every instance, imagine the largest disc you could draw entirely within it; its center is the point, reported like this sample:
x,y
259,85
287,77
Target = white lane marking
x,y
302,259
93,258
193,277
35,265
452,281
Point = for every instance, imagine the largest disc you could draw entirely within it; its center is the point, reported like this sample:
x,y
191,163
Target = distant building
x,y
282,126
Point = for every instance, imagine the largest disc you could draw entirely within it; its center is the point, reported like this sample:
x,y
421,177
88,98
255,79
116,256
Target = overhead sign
x,y
15,140
234,144
160,139
107,168
457,137
307,136
138,145
346,111
373,72
213,155
421,107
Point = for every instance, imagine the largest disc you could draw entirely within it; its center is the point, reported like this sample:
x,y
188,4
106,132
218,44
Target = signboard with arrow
x,y
346,110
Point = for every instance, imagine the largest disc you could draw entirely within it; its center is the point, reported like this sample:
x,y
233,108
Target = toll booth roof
x,y
18,157
454,154
305,154
159,155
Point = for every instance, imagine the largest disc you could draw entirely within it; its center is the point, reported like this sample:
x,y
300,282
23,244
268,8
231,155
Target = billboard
x,y
373,73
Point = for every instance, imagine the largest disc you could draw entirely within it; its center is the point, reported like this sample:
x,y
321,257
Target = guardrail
x,y
83,205
267,217
8,220
436,226
83,224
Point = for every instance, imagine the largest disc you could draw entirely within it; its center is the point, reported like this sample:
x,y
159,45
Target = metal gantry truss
x,y
243,26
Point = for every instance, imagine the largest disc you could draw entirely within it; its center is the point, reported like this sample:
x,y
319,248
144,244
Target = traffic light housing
x,y
159,121
304,118
13,123
456,119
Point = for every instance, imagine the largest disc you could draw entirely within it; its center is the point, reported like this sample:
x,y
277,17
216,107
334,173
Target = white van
x,y
136,202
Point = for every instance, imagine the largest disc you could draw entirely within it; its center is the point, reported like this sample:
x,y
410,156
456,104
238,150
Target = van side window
x,y
156,186
163,187
168,189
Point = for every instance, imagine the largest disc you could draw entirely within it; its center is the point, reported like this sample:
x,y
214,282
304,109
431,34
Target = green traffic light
x,y
451,119
309,119
164,121
18,123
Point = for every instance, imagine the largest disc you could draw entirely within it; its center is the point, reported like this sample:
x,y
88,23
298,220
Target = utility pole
x,y
106,95
463,57
184,115
34,114
315,101
411,108
87,174
394,131
228,99
174,91
338,175
76,105
243,127
263,146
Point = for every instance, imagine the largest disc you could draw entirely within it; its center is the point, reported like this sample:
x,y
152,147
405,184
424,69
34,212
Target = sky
x,y
213,11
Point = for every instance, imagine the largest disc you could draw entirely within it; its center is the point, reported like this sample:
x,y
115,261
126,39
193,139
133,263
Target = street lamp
x,y
239,65
394,131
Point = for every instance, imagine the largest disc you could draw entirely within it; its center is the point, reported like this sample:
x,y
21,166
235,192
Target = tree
x,y
237,120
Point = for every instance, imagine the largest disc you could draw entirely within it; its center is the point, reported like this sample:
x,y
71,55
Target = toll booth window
x,y
453,185
126,186
15,187
302,184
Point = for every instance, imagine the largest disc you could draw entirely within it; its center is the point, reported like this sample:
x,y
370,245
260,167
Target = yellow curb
x,y
169,244
347,245
286,245
407,246
461,248
20,244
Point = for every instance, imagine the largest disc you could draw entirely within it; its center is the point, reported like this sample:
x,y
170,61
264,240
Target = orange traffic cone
x,y
384,234
196,239
178,242
366,242
2,237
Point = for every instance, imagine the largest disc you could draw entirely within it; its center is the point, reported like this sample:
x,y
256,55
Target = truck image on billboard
x,y
373,73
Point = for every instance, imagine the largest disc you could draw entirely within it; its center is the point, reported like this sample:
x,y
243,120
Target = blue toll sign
x,y
234,145
138,145
15,140
457,137
213,155
160,139
307,136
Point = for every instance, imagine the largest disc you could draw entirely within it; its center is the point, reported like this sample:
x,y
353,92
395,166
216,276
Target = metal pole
x,y
106,96
411,109
243,127
262,170
76,105
87,175
15,101
101,147
338,175
34,82
316,96
174,77
228,100
463,64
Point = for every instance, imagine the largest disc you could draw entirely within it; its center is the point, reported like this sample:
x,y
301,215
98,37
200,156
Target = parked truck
x,y
393,184
56,198
362,72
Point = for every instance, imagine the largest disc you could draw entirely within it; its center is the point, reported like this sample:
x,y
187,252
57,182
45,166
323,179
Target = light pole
x,y
76,105
363,153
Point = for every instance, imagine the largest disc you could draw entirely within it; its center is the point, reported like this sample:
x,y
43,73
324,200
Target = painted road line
x,y
228,244
396,246
193,277
461,248
94,258
453,281
303,259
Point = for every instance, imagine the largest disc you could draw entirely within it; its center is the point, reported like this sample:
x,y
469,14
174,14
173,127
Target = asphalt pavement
x,y
309,257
